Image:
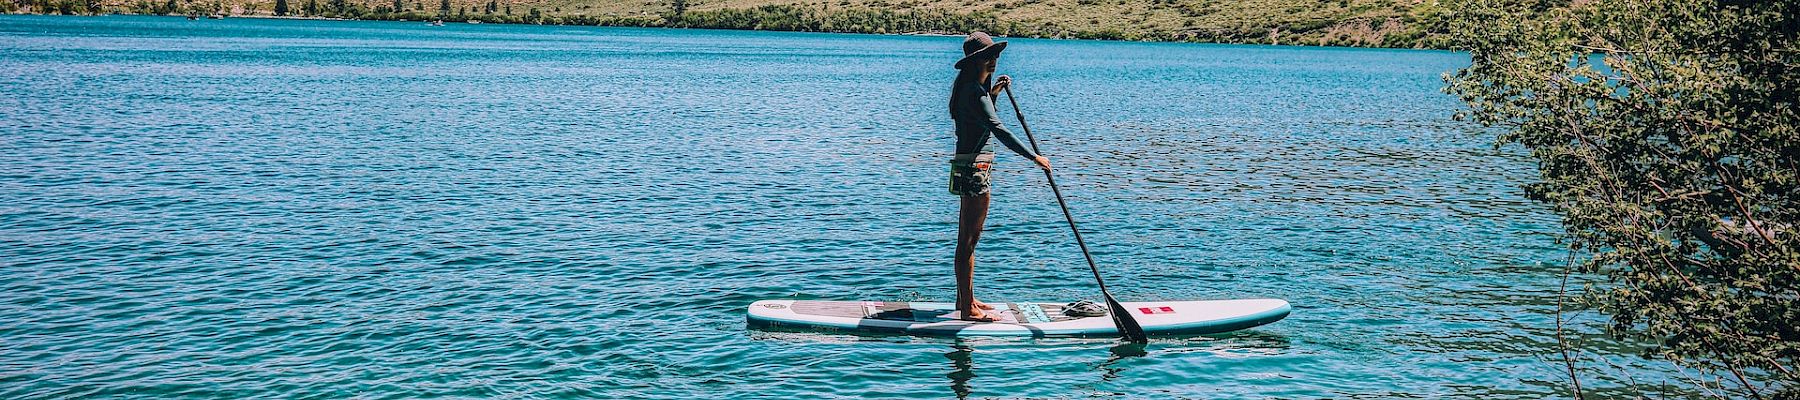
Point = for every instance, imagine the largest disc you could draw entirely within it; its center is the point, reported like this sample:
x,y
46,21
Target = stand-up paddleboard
x,y
1013,319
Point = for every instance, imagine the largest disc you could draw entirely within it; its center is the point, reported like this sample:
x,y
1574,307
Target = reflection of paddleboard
x,y
1013,319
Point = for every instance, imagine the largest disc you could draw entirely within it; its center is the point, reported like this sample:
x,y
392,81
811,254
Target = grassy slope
x,y
1334,22
1379,23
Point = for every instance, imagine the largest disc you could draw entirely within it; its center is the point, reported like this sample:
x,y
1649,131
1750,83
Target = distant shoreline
x,y
792,19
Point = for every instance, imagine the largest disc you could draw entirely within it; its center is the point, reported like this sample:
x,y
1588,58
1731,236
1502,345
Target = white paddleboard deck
x,y
1013,319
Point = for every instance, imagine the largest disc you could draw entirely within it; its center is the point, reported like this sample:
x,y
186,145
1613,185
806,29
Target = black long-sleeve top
x,y
973,110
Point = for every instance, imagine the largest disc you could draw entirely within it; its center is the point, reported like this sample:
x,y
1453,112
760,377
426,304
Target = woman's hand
x,y
1043,162
1000,84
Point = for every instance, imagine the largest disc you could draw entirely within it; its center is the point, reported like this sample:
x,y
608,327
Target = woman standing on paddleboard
x,y
972,107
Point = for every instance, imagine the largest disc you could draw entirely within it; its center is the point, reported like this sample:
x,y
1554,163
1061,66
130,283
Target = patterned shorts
x,y
971,174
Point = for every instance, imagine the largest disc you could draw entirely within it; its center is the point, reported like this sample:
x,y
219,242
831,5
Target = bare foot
x,y
981,305
977,315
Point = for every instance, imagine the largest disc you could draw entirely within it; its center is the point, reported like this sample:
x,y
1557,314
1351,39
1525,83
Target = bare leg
x,y
968,232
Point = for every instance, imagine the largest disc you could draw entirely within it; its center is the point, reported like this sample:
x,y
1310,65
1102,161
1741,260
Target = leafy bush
x,y
1668,138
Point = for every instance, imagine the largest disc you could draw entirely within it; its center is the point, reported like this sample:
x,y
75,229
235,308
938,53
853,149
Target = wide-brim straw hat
x,y
977,47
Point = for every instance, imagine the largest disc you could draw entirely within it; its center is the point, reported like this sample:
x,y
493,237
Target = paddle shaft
x,y
1120,316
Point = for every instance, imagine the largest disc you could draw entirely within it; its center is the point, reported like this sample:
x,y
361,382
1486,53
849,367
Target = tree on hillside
x,y
444,9
492,6
281,7
1667,135
398,6
311,8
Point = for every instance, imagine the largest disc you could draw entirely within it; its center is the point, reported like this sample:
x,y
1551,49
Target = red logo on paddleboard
x,y
1156,310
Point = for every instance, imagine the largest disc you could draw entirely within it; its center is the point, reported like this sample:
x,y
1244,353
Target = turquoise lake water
x,y
319,209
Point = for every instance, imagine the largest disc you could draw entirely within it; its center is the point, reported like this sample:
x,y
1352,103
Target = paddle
x,y
1120,316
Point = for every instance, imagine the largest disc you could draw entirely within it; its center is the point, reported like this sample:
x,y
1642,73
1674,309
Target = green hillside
x,y
1373,23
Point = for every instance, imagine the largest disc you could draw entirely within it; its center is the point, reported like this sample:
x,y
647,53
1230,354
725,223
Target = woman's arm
x,y
992,123
1006,137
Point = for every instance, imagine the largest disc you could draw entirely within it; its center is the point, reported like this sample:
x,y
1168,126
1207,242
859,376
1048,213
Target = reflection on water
x,y
1126,350
962,368
964,372
1111,368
